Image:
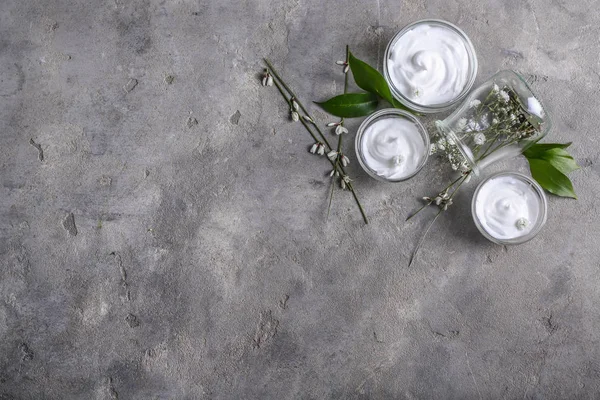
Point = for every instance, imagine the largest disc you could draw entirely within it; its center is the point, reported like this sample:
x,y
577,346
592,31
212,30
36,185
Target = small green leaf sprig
x,y
549,164
360,104
321,145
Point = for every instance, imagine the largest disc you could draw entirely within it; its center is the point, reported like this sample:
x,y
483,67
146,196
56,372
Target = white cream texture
x,y
507,207
429,64
393,147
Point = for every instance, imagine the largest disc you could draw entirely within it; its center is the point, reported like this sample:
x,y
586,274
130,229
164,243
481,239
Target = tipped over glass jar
x,y
498,120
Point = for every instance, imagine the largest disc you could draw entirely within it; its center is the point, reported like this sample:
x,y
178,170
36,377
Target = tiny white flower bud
x,y
445,207
332,155
345,160
338,130
332,124
340,62
321,149
342,184
314,148
332,172
438,201
295,116
346,68
264,80
269,80
295,105
308,119
343,130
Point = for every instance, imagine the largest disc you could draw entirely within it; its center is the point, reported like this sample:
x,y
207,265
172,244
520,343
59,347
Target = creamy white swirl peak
x,y
507,207
429,64
393,147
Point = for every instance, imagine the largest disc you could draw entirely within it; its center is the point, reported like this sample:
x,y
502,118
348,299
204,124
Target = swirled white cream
x,y
507,207
429,64
393,147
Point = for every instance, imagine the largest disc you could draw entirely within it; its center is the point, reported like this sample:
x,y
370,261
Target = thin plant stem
x,y
414,254
333,163
276,75
429,203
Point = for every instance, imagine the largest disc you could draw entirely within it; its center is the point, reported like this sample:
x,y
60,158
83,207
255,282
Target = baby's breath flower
x,y
494,121
441,146
474,103
461,124
432,148
495,88
504,96
522,223
454,167
451,141
479,139
397,160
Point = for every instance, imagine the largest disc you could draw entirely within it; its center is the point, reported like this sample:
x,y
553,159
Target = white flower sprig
x,y
320,146
442,200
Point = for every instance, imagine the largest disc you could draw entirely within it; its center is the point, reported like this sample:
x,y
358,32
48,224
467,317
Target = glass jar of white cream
x,y
509,208
392,145
430,65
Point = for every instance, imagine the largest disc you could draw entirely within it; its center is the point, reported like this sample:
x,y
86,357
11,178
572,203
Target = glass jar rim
x,y
394,112
432,108
540,222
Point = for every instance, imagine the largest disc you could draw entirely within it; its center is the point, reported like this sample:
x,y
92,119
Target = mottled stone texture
x,y
163,228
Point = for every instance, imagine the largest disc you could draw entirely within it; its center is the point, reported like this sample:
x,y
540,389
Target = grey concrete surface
x,y
163,229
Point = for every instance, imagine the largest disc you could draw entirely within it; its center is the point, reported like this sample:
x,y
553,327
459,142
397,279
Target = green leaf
x,y
561,160
350,105
551,178
369,79
538,148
